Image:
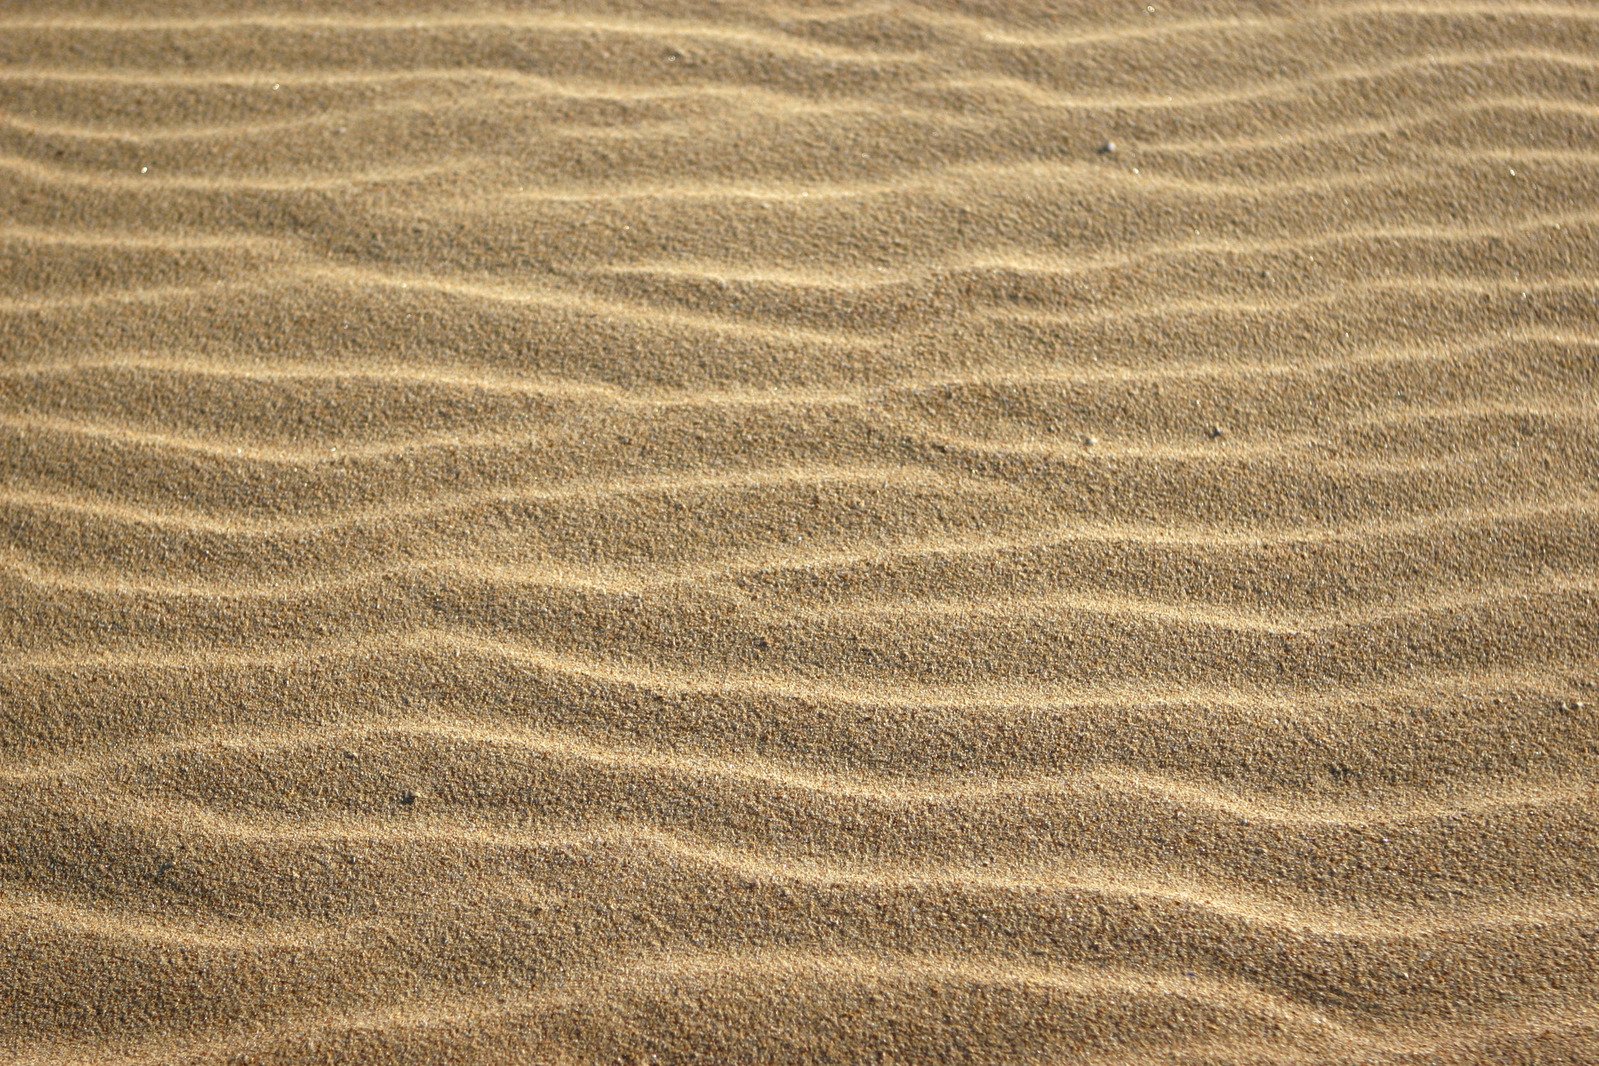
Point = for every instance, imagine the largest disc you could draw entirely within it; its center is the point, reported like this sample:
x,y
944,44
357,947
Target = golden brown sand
x,y
938,532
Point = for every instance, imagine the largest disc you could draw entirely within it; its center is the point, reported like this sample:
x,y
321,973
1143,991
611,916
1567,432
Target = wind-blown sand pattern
x,y
939,532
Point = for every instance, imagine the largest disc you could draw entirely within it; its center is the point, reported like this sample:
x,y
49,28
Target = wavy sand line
x,y
731,680
622,580
765,773
1226,894
616,396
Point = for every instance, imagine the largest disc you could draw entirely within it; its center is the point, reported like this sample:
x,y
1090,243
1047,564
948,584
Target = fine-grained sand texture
x,y
920,532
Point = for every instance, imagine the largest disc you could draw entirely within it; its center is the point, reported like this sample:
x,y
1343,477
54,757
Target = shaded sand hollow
x,y
912,532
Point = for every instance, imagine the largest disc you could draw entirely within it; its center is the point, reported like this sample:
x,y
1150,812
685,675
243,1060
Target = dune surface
x,y
926,532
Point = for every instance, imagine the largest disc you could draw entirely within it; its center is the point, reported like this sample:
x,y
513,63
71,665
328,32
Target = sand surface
x,y
937,532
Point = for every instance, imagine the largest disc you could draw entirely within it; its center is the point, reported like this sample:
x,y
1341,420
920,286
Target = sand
x,y
872,532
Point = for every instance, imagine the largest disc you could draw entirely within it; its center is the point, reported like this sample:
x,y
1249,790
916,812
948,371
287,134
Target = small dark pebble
x,y
1108,148
408,798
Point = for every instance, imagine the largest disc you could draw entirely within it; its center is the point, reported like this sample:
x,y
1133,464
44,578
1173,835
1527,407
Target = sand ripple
x,y
928,533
